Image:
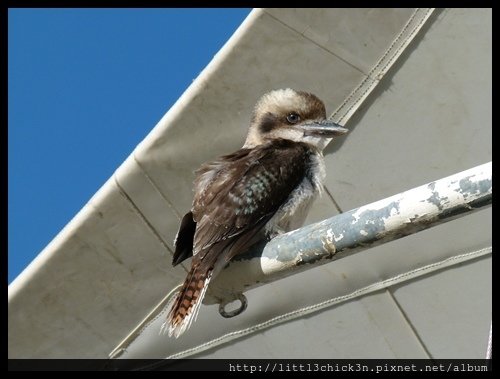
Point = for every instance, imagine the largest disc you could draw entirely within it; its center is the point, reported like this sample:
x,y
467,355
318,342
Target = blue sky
x,y
85,87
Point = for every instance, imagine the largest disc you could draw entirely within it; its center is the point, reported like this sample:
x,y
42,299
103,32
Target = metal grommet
x,y
236,312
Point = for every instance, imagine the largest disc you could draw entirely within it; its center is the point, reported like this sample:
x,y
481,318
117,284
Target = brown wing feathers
x,y
246,189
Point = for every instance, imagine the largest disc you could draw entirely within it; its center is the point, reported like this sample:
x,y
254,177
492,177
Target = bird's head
x,y
292,115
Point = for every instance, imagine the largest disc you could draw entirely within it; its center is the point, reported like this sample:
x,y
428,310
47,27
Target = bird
x,y
258,192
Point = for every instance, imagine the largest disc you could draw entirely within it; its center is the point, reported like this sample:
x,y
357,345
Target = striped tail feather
x,y
187,303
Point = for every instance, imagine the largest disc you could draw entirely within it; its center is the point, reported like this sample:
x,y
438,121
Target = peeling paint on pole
x,y
353,231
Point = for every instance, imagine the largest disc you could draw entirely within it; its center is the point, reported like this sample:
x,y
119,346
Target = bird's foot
x,y
275,233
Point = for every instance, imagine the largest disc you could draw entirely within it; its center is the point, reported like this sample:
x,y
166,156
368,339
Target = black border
x,y
338,366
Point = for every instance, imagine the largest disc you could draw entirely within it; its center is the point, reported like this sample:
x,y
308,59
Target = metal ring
x,y
236,312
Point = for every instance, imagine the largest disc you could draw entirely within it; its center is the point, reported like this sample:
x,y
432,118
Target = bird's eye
x,y
293,118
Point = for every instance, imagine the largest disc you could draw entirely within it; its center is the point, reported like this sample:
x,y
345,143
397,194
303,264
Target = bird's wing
x,y
237,195
183,243
184,239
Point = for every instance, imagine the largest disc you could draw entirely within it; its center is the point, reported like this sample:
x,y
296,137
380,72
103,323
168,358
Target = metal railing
x,y
351,232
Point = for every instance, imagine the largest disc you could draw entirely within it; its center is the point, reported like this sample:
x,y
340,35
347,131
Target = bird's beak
x,y
324,128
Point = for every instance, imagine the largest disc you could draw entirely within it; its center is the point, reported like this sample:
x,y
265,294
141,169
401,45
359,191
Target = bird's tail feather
x,y
187,303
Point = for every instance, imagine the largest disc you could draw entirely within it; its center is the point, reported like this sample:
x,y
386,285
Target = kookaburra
x,y
259,191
